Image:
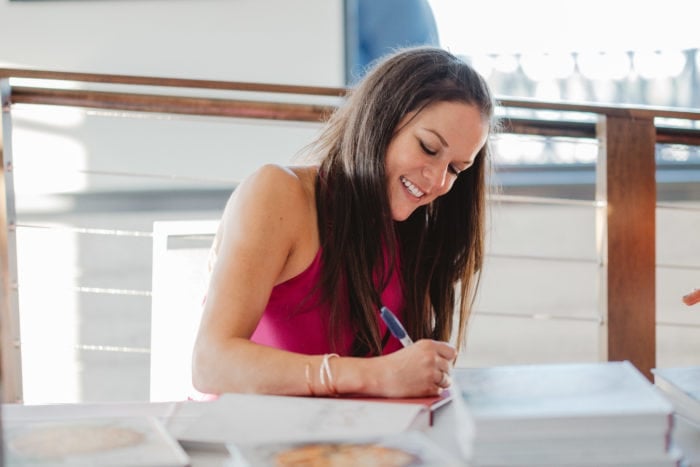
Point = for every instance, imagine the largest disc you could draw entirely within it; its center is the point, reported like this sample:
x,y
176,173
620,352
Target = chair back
x,y
180,274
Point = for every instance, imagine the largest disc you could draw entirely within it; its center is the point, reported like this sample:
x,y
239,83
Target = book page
x,y
559,390
247,418
407,449
123,441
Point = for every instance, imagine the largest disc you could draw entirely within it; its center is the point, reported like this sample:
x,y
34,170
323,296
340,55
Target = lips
x,y
412,189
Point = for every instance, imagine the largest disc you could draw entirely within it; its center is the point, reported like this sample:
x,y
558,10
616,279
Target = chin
x,y
401,216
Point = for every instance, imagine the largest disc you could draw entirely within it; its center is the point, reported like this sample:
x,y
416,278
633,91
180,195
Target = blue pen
x,y
395,326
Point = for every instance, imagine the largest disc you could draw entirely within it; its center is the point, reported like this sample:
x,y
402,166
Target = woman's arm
x,y
254,244
269,235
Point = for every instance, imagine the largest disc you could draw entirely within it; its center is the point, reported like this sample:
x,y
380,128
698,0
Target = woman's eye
x,y
427,150
453,170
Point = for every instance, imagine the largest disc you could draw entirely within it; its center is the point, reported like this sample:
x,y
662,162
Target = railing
x,y
625,191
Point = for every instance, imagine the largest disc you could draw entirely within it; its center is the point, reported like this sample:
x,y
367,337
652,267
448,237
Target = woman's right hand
x,y
421,369
692,298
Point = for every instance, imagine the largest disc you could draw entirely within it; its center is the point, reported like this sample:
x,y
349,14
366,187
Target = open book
x,y
112,441
429,405
409,448
259,419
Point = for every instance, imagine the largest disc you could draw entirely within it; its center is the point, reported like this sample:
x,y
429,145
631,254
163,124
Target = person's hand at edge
x,y
692,298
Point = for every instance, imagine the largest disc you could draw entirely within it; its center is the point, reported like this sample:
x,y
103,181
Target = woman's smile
x,y
412,188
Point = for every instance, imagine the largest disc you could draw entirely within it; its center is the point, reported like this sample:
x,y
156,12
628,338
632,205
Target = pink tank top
x,y
293,319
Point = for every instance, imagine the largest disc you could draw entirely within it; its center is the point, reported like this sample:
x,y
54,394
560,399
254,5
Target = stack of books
x,y
585,414
681,386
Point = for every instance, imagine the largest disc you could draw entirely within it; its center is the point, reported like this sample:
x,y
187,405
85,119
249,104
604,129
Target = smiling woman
x,y
392,215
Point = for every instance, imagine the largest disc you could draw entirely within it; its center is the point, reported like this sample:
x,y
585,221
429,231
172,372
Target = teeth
x,y
411,188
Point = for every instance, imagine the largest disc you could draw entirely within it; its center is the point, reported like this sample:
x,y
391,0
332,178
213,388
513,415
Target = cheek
x,y
401,155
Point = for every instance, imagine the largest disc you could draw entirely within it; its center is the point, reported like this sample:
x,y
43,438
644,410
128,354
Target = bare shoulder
x,y
288,176
274,198
272,214
276,188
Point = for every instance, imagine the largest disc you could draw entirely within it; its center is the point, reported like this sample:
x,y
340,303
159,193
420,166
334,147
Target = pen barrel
x,y
406,341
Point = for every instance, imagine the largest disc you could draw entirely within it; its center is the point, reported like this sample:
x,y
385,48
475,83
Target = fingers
x,y
443,349
692,298
445,380
446,350
443,365
444,357
423,368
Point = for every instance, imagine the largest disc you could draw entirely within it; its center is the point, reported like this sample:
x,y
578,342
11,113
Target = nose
x,y
436,173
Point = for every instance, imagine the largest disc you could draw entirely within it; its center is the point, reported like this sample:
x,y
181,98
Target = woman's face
x,y
428,151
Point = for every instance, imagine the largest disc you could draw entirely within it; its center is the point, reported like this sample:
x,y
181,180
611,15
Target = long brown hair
x,y
441,246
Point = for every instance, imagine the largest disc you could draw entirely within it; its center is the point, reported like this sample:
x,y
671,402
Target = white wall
x,y
273,41
59,150
289,41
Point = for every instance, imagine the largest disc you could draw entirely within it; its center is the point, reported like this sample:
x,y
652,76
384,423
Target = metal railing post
x,y
11,361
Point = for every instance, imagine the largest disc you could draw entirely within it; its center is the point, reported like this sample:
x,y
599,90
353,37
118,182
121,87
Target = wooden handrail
x,y
622,110
171,82
171,104
311,112
578,129
614,110
626,184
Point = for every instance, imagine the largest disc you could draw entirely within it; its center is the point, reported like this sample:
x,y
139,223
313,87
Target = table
x,y
178,415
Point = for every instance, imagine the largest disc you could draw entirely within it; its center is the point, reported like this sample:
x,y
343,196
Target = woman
x,y
393,215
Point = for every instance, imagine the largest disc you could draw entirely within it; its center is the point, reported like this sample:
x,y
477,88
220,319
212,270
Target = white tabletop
x,y
178,415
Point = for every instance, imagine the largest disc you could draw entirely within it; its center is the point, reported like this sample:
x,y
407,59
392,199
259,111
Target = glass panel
x,y
499,340
89,186
551,167
678,272
539,289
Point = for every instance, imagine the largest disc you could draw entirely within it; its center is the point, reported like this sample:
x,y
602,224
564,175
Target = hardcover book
x,y
429,405
117,442
588,398
682,387
259,419
603,413
410,448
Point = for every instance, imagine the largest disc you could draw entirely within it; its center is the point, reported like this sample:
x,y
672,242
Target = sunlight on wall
x,y
46,161
49,317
